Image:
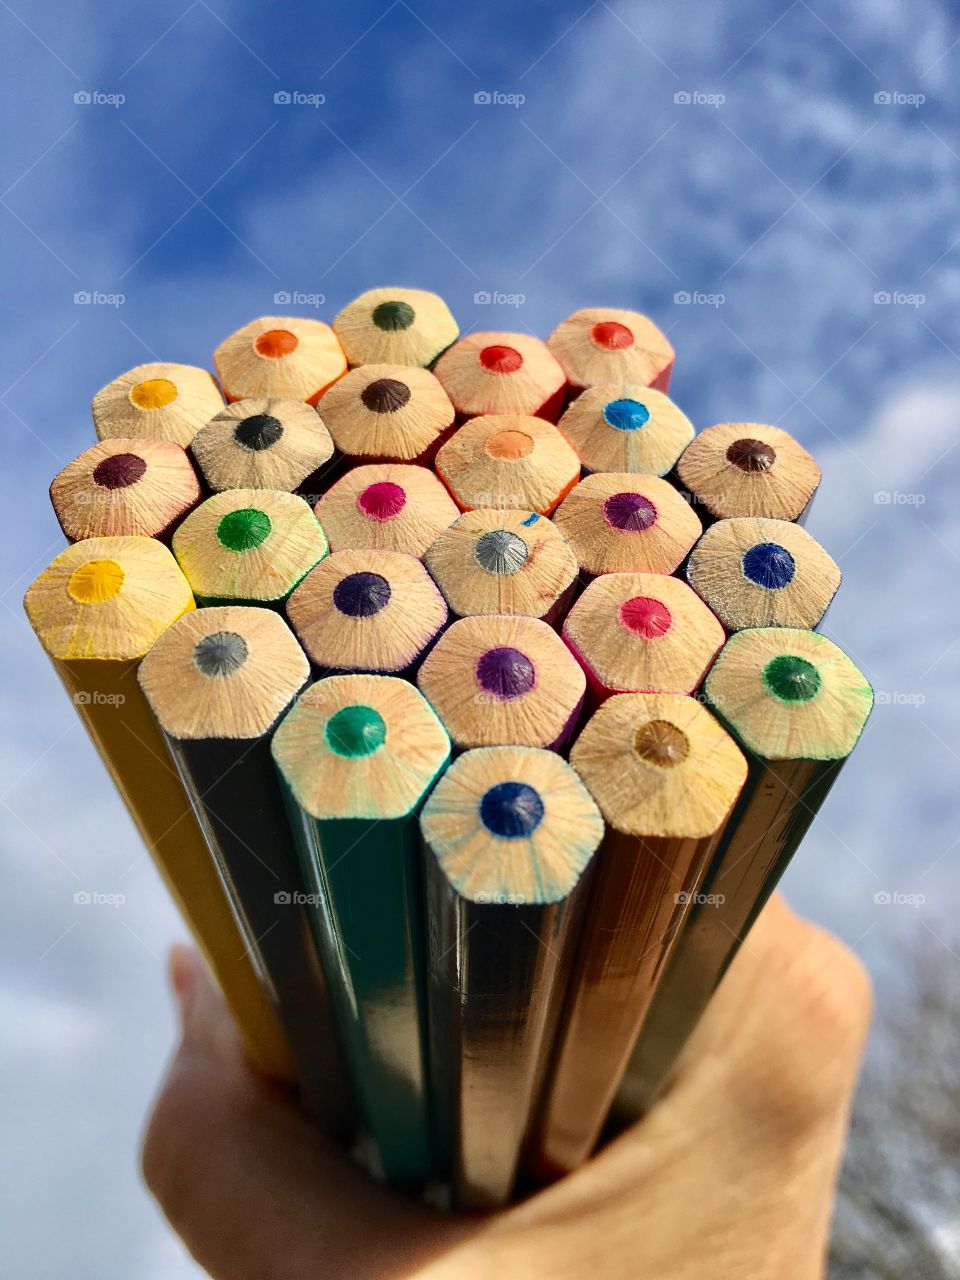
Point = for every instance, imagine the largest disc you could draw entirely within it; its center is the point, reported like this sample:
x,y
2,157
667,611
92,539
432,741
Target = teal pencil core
x,y
356,731
244,529
393,317
791,679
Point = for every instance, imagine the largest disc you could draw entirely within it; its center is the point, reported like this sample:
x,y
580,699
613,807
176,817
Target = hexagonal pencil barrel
x,y
642,633
665,775
248,546
356,755
388,413
796,705
367,611
97,609
617,522
599,346
755,572
286,357
218,682
386,506
626,428
124,487
395,326
264,443
157,402
504,561
497,681
502,373
748,469
509,834
508,460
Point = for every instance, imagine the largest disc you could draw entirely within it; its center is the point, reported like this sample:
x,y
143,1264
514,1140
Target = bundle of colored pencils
x,y
410,548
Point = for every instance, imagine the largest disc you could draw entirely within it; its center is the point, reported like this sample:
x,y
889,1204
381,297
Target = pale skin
x,y
731,1177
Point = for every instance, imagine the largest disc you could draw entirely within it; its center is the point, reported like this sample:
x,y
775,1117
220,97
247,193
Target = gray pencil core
x,y
220,654
501,552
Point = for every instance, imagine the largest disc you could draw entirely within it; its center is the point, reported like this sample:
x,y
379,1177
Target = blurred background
x,y
775,184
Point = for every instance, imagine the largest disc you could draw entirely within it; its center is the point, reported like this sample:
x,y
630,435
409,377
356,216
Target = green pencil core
x,y
244,529
356,731
791,679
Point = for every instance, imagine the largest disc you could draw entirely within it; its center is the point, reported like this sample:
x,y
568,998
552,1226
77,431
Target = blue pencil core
x,y
511,810
768,565
361,595
626,415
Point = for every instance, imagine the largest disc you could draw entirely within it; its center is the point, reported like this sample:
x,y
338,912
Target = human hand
x,y
730,1177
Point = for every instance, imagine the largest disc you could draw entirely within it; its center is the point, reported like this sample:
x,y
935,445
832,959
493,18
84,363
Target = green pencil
x,y
356,755
797,705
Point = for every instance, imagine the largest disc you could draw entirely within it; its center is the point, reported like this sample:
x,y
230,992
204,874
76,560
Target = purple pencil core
x,y
629,512
505,673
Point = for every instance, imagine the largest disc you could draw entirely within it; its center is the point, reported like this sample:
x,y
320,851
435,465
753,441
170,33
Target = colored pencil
x,y
755,572
642,633
386,506
395,326
503,561
387,413
797,706
749,469
156,402
367,611
508,460
356,755
603,346
97,609
509,832
123,487
248,546
263,444
623,523
626,428
218,682
665,775
500,681
282,357
502,373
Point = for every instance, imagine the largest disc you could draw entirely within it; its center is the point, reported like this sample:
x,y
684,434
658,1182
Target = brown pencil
x,y
121,487
503,561
367,611
502,373
603,346
500,681
284,357
749,469
156,402
386,506
387,413
395,326
665,776
262,444
508,460
642,633
755,572
626,428
622,523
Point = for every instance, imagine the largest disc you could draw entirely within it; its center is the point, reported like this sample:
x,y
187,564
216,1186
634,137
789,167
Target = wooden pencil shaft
x,y
118,719
236,795
779,801
497,973
368,924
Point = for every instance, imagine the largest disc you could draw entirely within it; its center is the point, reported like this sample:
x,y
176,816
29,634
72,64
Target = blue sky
x,y
777,186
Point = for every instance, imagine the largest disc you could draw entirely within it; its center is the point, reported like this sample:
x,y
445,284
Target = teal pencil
x,y
356,755
796,705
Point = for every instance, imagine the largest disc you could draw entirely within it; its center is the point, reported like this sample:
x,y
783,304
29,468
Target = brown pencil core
x,y
751,455
661,743
385,395
509,446
119,471
276,343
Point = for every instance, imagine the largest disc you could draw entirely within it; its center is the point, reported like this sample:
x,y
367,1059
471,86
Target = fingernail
x,y
184,968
